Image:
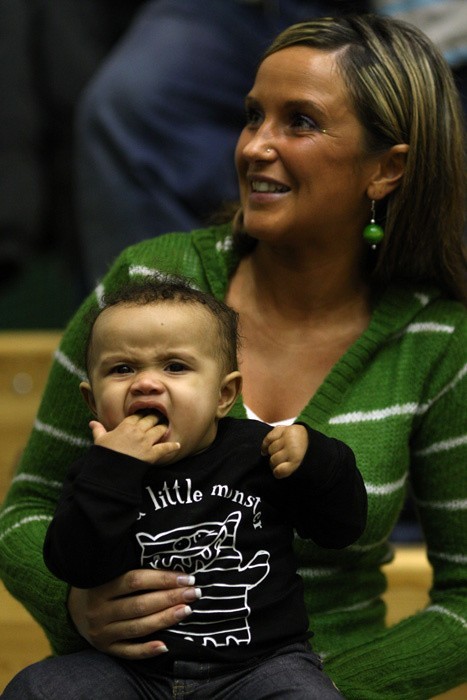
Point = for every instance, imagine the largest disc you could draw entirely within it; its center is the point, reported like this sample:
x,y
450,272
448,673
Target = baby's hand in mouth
x,y
161,419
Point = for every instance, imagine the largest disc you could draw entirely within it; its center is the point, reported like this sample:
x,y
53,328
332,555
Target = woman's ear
x,y
391,168
88,396
230,389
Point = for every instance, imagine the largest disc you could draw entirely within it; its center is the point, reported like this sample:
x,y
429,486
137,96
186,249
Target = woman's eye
x,y
302,121
253,117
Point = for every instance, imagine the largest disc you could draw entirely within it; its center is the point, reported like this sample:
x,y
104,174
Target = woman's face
x,y
300,159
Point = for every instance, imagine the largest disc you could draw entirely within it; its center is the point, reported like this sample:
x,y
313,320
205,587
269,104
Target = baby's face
x,y
159,358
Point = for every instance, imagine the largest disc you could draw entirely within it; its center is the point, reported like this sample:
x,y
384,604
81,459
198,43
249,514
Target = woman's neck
x,y
302,284
298,316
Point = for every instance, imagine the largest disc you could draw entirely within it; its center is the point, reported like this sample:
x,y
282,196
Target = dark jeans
x,y
292,672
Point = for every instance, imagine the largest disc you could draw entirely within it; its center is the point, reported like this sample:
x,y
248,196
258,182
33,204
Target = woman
x,y
350,122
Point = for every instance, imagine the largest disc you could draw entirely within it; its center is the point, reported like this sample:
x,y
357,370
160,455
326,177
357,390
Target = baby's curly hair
x,y
179,290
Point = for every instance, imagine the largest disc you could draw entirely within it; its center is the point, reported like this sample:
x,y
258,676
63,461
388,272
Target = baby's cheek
x,y
110,414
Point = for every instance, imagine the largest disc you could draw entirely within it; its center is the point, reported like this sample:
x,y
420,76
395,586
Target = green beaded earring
x,y
373,234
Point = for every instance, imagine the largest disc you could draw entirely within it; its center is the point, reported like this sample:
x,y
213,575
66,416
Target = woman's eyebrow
x,y
307,105
251,101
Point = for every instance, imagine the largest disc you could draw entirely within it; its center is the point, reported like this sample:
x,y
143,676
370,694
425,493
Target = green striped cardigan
x,y
398,397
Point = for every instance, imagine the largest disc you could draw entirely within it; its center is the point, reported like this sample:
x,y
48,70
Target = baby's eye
x,y
303,122
176,367
121,369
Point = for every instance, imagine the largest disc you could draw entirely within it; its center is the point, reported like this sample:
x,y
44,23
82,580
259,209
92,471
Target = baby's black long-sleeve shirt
x,y
219,515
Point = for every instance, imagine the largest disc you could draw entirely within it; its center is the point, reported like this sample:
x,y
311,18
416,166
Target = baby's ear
x,y
230,389
88,396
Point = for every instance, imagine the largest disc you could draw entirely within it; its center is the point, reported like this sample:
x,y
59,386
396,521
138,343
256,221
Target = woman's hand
x,y
136,604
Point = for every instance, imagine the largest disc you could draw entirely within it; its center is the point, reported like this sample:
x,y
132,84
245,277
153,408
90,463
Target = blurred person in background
x,y
48,51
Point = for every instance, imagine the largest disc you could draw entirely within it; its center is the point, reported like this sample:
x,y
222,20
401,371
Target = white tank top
x,y
253,416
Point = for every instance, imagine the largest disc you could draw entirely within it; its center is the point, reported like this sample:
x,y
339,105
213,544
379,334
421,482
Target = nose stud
x,y
268,150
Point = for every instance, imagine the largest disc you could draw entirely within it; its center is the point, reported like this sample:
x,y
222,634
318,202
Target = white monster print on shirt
x,y
221,616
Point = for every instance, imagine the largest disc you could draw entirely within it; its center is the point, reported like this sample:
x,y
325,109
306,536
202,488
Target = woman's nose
x,y
259,145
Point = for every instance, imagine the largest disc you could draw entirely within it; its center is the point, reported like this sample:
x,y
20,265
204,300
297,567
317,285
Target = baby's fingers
x,y
98,430
278,457
272,442
282,464
157,432
164,449
283,469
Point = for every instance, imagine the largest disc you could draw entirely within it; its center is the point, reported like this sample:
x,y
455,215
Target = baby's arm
x,y
326,497
87,543
286,446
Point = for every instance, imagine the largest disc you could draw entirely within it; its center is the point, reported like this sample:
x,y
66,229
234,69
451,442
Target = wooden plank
x,y
22,642
25,359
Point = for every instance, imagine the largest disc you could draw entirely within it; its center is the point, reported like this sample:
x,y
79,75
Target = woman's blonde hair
x,y
403,91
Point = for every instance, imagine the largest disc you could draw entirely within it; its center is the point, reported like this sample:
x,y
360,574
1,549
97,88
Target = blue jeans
x,y
157,125
293,672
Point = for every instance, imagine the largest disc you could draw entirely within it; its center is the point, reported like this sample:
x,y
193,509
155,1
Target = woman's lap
x,y
81,676
291,673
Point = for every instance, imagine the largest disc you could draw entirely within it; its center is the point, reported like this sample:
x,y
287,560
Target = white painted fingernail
x,y
183,612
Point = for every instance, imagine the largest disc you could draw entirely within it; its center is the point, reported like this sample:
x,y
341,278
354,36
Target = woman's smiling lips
x,y
266,186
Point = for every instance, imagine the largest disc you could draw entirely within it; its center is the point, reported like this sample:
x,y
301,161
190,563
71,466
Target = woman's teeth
x,y
260,186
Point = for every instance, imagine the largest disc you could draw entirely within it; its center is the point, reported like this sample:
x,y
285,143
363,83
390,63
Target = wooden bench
x,y
25,359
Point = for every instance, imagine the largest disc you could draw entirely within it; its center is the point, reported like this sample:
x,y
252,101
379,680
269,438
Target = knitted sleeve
x,y
426,654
